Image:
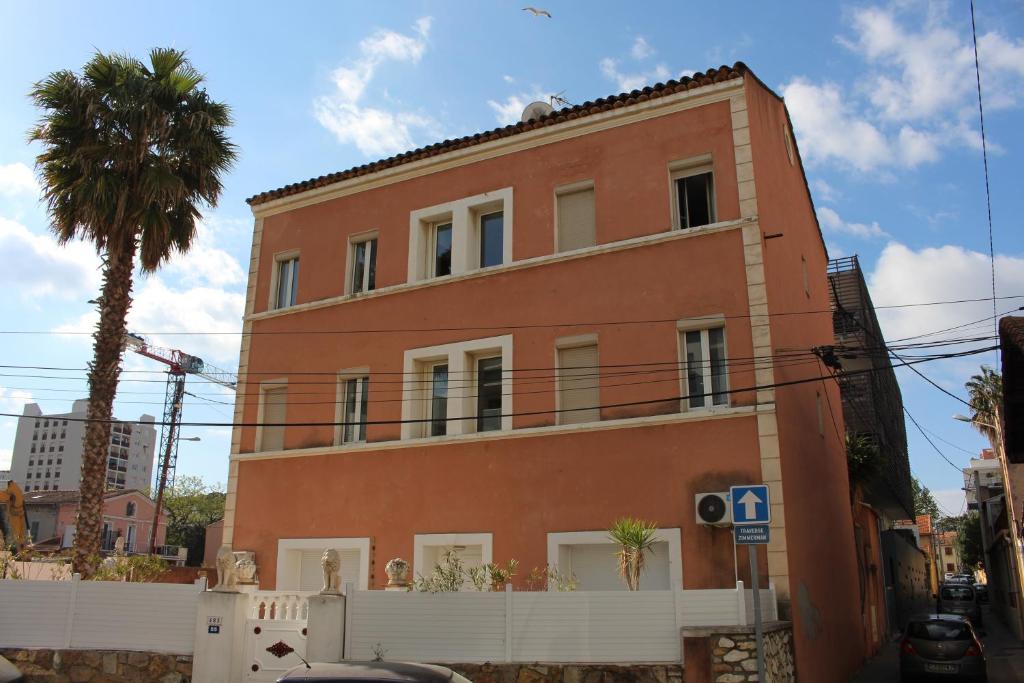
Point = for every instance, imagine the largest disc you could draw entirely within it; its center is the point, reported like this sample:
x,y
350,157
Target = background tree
x,y
924,502
968,538
191,506
130,154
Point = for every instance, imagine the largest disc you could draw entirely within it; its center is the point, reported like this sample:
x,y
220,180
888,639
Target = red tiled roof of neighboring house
x,y
698,80
61,497
51,497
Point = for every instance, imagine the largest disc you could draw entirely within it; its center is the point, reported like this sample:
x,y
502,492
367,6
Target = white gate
x,y
275,632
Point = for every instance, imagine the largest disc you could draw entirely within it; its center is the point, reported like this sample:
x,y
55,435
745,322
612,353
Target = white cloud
x,y
508,79
510,111
17,179
5,458
36,266
830,129
14,400
915,97
641,48
375,131
831,222
158,307
904,275
205,263
927,67
627,82
824,192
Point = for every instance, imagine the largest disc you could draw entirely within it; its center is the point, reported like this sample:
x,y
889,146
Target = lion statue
x,y
331,563
227,580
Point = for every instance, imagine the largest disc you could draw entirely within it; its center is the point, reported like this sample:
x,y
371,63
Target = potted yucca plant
x,y
635,538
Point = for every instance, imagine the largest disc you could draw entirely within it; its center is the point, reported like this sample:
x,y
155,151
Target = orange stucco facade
x,y
632,291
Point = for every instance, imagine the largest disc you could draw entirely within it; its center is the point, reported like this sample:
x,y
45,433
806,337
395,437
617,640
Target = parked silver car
x,y
939,647
372,672
958,598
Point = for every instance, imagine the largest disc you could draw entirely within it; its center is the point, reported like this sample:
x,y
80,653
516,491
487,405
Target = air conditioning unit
x,y
713,509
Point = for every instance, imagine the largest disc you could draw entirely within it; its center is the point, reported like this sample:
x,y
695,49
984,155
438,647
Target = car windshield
x,y
939,630
957,593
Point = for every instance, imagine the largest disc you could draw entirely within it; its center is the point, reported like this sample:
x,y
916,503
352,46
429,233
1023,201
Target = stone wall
x,y
570,673
100,666
733,655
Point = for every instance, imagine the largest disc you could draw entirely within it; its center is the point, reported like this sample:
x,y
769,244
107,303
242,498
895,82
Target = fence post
x,y
325,628
69,620
741,603
350,604
508,622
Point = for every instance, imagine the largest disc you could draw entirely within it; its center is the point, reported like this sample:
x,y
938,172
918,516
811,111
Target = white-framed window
x,y
474,549
285,281
298,562
488,394
438,400
491,237
704,366
461,236
353,397
363,264
458,388
693,193
440,253
589,556
271,416
578,380
575,216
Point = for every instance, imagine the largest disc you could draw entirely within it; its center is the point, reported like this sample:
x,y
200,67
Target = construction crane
x,y
179,365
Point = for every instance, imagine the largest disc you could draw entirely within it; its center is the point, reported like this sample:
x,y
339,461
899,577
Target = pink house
x,y
129,514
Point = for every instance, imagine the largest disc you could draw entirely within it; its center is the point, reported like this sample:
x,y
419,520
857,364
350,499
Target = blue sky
x,y
882,96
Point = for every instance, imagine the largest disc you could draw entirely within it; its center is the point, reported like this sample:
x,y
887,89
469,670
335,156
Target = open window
x,y
298,562
363,265
285,281
693,193
473,550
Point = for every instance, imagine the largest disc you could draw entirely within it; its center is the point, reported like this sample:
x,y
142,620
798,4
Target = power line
x,y
525,326
666,399
921,429
984,157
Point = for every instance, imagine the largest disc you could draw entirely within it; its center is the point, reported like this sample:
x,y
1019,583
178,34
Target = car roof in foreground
x,y
939,617
400,672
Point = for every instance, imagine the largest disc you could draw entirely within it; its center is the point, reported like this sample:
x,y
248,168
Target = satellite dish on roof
x,y
535,110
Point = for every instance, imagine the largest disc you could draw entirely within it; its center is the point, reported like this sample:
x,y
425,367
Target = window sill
x,y
527,432
635,242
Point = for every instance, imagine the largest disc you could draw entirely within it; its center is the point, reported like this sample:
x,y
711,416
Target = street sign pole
x,y
751,518
758,629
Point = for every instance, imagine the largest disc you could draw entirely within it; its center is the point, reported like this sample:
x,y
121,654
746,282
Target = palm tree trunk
x,y
104,372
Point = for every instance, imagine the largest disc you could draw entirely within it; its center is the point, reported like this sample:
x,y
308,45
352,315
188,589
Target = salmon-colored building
x,y
500,344
52,516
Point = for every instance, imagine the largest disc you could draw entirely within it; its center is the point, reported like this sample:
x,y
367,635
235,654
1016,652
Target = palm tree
x,y
986,397
635,539
130,154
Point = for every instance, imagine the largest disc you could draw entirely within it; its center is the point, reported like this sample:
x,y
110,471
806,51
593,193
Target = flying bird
x,y
537,12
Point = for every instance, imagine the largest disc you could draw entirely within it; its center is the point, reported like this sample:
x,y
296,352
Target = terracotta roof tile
x,y
698,80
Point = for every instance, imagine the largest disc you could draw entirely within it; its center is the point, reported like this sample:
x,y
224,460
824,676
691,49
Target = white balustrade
x,y
280,606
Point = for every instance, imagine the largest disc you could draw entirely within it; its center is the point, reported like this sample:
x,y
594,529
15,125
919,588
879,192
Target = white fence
x,y
108,615
580,626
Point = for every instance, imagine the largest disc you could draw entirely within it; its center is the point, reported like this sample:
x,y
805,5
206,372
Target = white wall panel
x,y
155,617
444,627
33,613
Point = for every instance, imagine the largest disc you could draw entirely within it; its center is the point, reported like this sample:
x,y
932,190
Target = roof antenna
x,y
558,100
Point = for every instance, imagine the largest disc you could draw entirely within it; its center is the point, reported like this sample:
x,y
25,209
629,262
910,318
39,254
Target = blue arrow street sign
x,y
750,504
752,534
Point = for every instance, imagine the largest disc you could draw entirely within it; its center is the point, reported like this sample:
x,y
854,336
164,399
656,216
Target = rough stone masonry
x,y
100,666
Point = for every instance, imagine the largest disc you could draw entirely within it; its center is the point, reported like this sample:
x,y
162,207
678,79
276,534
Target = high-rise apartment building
x,y
48,451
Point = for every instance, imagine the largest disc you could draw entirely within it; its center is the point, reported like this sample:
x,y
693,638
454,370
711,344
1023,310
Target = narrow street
x,y
1005,657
